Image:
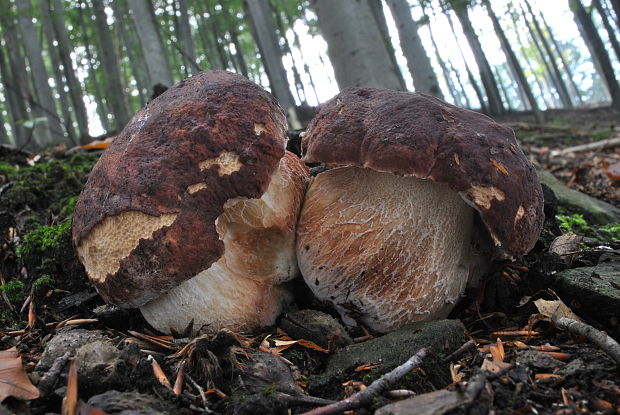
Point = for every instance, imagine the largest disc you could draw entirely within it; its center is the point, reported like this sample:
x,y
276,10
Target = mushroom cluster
x,y
191,211
386,234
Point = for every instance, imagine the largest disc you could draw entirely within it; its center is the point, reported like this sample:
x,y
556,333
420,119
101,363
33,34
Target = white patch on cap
x,y
227,162
483,196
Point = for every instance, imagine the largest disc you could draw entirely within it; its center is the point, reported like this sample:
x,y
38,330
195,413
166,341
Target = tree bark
x,y
52,52
54,133
561,85
424,78
616,5
376,6
583,19
153,49
354,44
513,61
64,51
613,39
264,30
185,35
486,74
13,78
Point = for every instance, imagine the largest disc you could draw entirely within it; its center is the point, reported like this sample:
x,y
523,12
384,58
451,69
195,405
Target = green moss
x,y
613,230
601,135
14,290
269,390
42,280
7,170
43,238
573,223
576,223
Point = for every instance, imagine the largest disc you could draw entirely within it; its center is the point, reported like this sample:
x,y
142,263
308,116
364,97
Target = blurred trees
x,y
70,67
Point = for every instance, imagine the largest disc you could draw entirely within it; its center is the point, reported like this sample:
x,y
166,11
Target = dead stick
x,y
597,145
201,391
376,388
460,351
609,345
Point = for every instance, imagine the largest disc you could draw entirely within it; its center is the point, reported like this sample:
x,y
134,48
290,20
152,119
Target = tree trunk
x,y
616,5
513,61
64,51
376,6
264,30
97,91
216,39
582,18
562,89
17,87
239,52
54,133
424,78
484,68
185,35
152,46
472,80
52,52
135,60
11,102
354,45
613,39
115,90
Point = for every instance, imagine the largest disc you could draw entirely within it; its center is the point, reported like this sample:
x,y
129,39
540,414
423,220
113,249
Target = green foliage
x,y
7,170
14,290
573,223
613,230
43,238
268,390
577,223
42,281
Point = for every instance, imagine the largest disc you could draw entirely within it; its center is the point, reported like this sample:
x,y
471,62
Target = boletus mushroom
x,y
191,211
386,234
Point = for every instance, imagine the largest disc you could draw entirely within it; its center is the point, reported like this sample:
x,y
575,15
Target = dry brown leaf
x,y
554,309
455,373
363,368
497,351
494,367
566,247
13,378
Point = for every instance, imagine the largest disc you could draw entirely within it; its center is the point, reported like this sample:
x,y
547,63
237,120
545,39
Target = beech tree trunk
x,y
424,78
513,61
583,19
12,99
354,45
264,29
486,74
64,51
186,37
613,39
52,133
151,43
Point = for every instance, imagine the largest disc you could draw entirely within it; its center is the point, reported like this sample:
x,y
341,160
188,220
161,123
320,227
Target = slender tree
x,y
45,101
613,39
64,51
355,45
185,35
11,100
424,78
583,19
486,74
153,49
264,29
514,64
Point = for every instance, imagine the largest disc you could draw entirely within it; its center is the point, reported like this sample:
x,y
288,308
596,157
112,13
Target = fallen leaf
x,y
566,247
554,309
455,373
494,367
613,171
497,351
13,378
363,368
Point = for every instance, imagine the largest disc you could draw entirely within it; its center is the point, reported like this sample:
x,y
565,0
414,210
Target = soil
x,y
44,288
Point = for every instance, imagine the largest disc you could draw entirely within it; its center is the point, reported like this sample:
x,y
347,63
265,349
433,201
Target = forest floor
x,y
519,362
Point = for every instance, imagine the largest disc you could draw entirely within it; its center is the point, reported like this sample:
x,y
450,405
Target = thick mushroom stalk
x,y
242,290
384,248
197,185
386,235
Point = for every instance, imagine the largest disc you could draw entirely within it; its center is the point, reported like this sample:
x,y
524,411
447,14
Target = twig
x,y
201,391
301,399
178,383
377,387
609,345
460,351
597,145
48,380
159,373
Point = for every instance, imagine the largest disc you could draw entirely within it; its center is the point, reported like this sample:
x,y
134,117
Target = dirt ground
x,y
531,366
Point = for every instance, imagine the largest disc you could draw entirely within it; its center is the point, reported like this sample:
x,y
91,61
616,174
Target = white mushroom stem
x,y
241,291
385,250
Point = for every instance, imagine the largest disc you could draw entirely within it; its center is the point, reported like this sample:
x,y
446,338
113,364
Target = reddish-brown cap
x,y
160,186
413,134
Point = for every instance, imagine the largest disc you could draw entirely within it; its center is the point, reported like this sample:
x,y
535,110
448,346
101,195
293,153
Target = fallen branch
x,y
460,351
609,345
375,389
596,146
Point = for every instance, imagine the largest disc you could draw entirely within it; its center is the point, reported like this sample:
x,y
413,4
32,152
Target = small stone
x,y
573,368
315,326
266,373
538,360
67,339
133,403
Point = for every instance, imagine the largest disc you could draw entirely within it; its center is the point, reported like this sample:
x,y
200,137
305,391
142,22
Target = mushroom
x,y
191,211
386,235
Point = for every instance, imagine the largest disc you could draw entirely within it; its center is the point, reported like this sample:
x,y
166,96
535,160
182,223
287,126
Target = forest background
x,y
72,70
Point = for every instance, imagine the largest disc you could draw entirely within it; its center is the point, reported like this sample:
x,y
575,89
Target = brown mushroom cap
x,y
413,134
146,220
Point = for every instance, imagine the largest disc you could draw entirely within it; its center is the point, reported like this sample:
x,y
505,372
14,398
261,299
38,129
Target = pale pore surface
x,y
227,162
112,239
394,249
240,291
